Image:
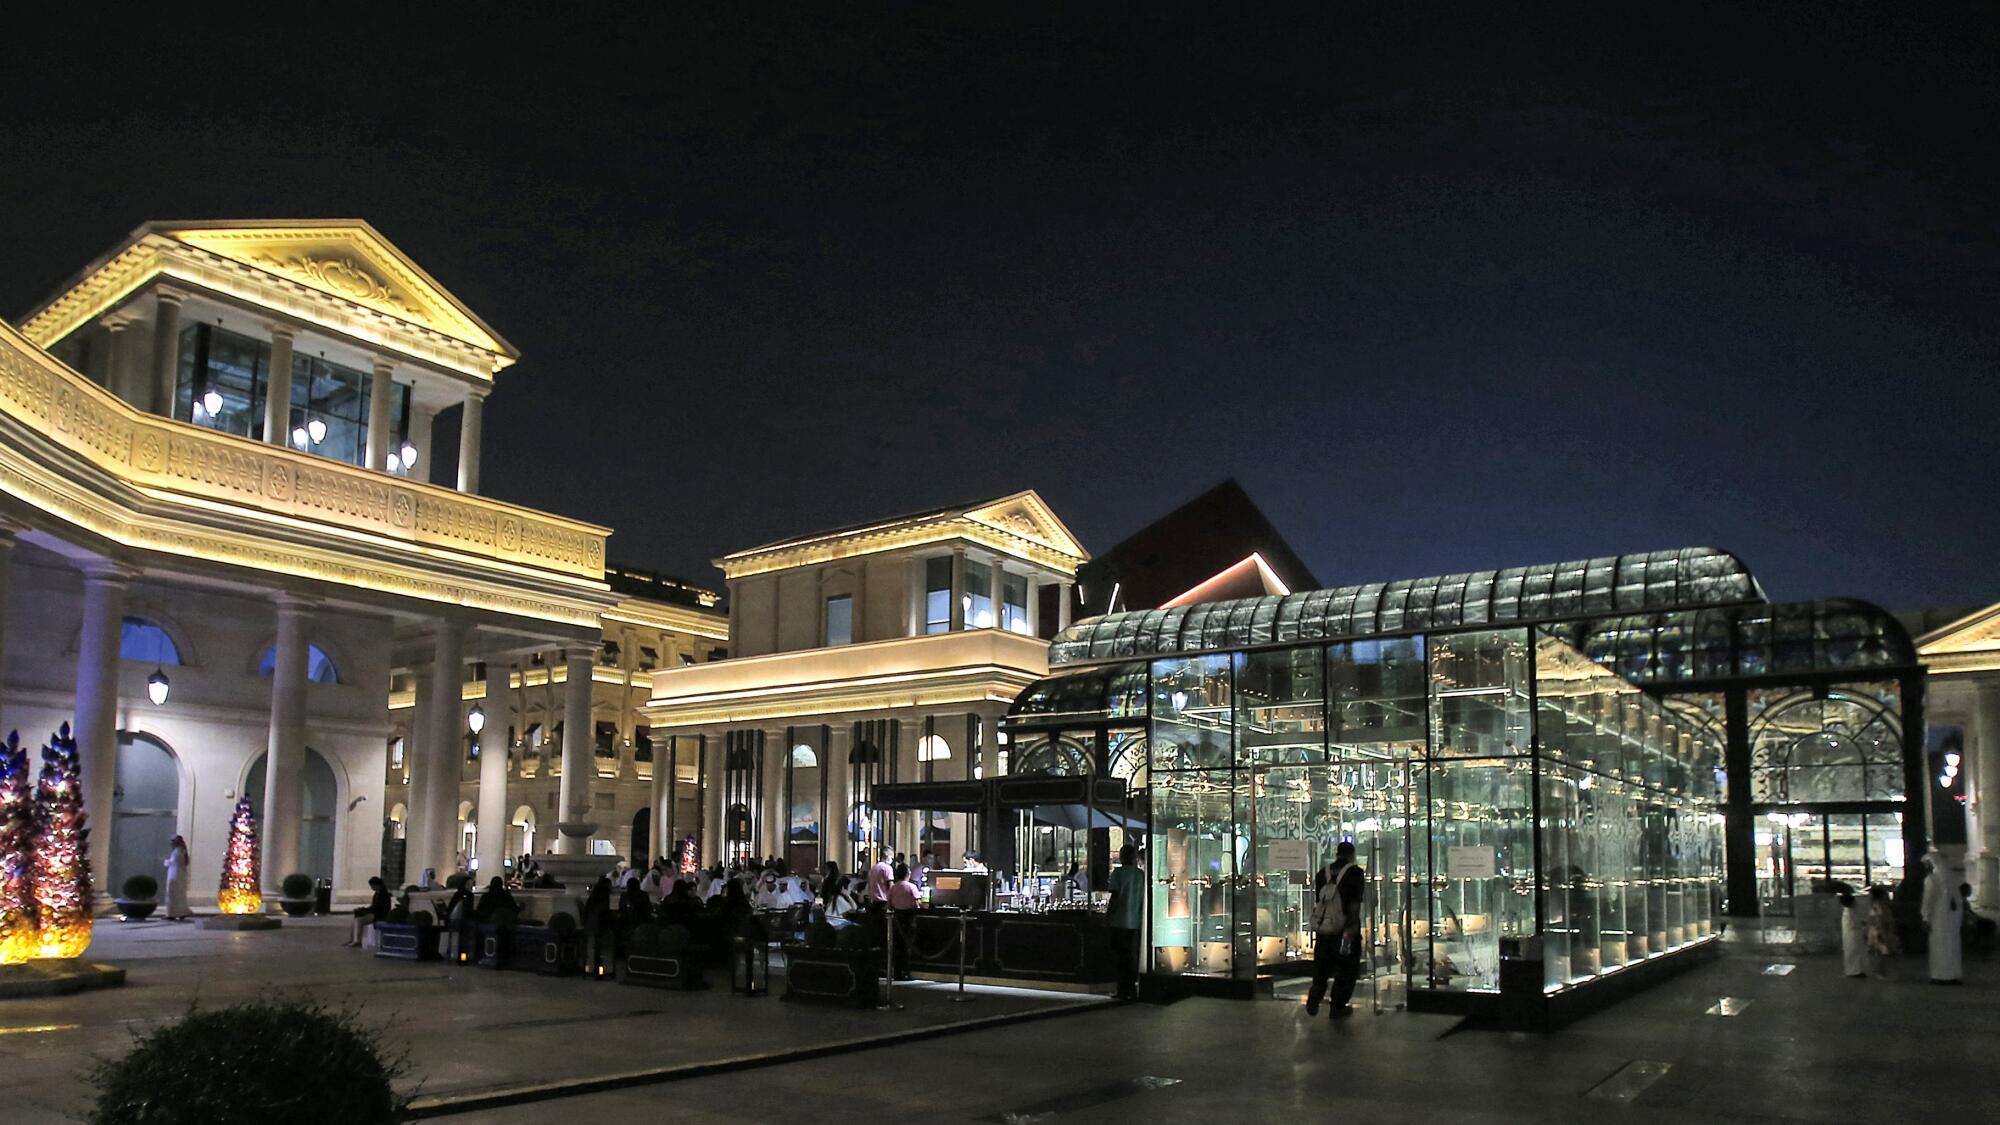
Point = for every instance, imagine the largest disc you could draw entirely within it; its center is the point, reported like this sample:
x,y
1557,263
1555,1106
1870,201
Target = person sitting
x,y
635,906
365,917
680,907
973,862
735,907
496,905
837,900
458,916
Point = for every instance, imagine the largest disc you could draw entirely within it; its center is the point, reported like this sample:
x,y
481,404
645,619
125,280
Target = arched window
x,y
932,748
145,642
804,758
319,666
1844,747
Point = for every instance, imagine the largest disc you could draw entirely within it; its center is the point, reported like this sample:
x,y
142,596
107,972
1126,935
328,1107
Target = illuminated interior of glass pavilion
x,y
1558,776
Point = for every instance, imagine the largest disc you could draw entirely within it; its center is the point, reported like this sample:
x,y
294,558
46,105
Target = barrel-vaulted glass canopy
x,y
1540,759
1621,584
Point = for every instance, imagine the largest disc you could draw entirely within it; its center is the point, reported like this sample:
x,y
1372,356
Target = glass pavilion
x,y
1557,775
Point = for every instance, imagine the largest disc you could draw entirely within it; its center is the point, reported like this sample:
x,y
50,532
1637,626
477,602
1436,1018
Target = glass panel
x,y
1378,690
840,620
1194,843
1844,747
1479,693
1478,866
1280,706
1014,598
1191,713
937,594
978,595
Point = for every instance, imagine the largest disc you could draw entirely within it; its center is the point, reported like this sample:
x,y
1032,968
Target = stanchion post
x,y
889,955
964,917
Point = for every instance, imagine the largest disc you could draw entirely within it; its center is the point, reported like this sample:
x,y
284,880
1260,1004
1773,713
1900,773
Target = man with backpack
x,y
1337,901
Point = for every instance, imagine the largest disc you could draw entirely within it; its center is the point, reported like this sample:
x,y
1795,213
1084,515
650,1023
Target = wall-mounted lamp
x,y
157,686
409,455
212,402
316,430
475,719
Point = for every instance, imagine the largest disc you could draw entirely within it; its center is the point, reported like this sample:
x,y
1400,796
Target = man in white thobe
x,y
1944,913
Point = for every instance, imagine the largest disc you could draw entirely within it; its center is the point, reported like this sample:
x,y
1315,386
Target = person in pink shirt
x,y
880,876
903,902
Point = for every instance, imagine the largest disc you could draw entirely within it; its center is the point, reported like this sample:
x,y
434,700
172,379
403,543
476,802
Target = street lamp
x,y
475,719
157,686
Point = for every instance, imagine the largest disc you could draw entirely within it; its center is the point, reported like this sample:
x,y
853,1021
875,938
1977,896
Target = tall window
x,y
1014,603
840,620
145,642
937,594
978,595
320,668
225,377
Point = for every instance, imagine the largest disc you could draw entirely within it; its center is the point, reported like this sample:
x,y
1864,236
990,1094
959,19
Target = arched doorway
x,y
521,832
145,809
317,813
642,830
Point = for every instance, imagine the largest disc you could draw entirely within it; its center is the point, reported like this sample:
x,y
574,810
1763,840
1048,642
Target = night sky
x,y
1478,286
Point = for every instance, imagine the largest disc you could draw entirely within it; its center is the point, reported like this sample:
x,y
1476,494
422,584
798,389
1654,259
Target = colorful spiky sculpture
x,y
239,893
17,852
61,853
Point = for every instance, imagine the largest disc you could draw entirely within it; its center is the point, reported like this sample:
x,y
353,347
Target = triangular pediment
x,y
1977,632
1026,514
347,259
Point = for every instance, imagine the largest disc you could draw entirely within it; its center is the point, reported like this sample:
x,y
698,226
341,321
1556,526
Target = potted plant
x,y
138,898
297,897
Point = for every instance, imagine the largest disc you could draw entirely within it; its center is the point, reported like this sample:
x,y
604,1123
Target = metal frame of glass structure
x,y
1540,765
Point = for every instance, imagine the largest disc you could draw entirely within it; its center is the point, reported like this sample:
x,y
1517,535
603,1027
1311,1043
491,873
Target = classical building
x,y
1961,649
859,656
658,623
219,550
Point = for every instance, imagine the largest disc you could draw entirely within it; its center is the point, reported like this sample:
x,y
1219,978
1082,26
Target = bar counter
x,y
1070,946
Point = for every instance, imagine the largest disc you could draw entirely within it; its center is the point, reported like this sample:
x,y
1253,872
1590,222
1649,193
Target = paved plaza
x,y
1803,1044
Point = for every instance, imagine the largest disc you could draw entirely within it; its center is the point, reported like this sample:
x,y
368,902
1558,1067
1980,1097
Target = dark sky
x,y
1469,286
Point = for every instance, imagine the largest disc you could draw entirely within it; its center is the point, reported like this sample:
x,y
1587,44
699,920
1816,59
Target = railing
x,y
163,456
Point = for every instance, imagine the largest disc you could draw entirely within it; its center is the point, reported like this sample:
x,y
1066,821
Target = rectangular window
x,y
607,740
978,595
1014,603
840,620
225,377
649,658
937,594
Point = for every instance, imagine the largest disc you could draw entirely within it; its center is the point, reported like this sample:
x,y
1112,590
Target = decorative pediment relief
x,y
349,261
1025,514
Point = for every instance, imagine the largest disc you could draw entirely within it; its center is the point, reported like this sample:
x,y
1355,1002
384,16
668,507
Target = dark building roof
x,y
638,583
1186,547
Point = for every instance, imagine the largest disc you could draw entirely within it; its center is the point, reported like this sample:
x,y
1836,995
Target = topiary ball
x,y
297,885
295,1061
139,888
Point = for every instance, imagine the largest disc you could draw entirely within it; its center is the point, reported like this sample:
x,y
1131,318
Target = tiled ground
x,y
467,1029
1807,1045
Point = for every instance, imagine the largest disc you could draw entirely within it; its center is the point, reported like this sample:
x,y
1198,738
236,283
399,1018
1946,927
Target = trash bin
x,y
323,897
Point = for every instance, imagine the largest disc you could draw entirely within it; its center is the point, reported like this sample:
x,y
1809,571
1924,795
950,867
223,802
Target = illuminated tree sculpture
x,y
239,893
62,853
17,854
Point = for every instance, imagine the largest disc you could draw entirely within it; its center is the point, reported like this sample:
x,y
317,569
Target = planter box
x,y
539,949
406,941
833,976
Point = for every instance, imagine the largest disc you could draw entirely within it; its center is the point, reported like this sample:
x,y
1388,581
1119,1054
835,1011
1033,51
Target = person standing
x,y
177,881
1122,917
1342,886
879,878
1853,936
1882,940
1944,917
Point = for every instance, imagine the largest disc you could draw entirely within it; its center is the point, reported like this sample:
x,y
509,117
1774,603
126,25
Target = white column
x,y
913,607
468,442
657,837
997,593
166,356
1987,774
7,533
424,772
446,723
573,804
285,751
381,390
1034,605
278,391
117,361
96,728
490,844
957,589
1064,589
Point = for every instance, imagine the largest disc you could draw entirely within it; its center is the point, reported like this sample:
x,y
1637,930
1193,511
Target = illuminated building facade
x,y
1961,651
220,547
860,656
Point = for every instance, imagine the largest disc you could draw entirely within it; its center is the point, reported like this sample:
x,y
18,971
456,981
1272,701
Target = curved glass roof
x,y
1677,646
1691,578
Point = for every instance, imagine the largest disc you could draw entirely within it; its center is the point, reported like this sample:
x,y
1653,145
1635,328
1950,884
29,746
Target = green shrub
x,y
297,885
295,1061
139,888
